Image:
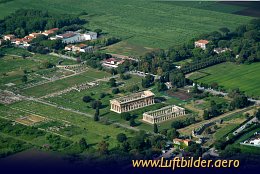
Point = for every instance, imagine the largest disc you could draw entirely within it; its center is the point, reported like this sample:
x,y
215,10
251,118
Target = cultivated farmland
x,y
229,75
136,23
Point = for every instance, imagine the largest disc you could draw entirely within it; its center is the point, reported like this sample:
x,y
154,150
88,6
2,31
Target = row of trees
x,y
24,21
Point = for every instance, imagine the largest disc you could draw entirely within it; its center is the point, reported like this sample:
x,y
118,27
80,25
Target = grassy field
x,y
142,24
13,66
84,126
48,88
229,75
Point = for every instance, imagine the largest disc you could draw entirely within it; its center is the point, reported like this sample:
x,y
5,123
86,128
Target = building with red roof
x,y
201,44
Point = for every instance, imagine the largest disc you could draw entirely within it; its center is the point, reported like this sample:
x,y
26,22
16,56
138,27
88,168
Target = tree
x,y
257,114
134,88
161,86
177,124
147,81
112,82
98,31
115,91
205,115
172,133
87,99
230,151
47,64
126,116
155,128
24,79
220,144
102,95
208,130
121,137
177,79
96,104
195,88
83,144
224,30
103,147
132,122
96,116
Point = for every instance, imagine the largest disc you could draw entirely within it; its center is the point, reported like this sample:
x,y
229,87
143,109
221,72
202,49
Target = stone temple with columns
x,y
132,102
163,114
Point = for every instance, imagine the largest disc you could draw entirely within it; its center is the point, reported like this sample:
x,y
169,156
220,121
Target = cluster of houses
x,y
68,37
27,39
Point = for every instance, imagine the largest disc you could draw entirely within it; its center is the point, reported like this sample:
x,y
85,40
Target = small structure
x,y
35,35
112,62
181,142
132,102
168,85
1,41
50,31
79,48
221,50
75,37
90,35
201,44
9,37
163,114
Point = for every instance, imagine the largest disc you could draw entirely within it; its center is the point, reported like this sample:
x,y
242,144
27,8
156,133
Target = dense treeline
x,y
25,21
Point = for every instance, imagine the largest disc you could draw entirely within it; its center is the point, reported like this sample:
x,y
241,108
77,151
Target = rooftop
x,y
167,110
203,41
81,45
68,35
133,97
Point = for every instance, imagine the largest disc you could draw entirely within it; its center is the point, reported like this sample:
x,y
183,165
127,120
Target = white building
x,y
79,48
90,35
221,50
75,37
112,62
201,44
50,31
9,37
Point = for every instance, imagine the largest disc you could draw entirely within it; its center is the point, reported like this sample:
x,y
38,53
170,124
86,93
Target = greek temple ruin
x,y
132,102
163,114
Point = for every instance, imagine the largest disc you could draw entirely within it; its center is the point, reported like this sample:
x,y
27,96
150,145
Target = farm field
x,y
229,75
134,21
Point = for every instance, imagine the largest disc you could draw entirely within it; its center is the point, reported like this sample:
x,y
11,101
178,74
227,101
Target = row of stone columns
x,y
115,108
152,119
132,105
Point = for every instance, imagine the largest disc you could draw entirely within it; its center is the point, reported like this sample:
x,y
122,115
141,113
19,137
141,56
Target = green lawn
x,y
229,75
145,23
